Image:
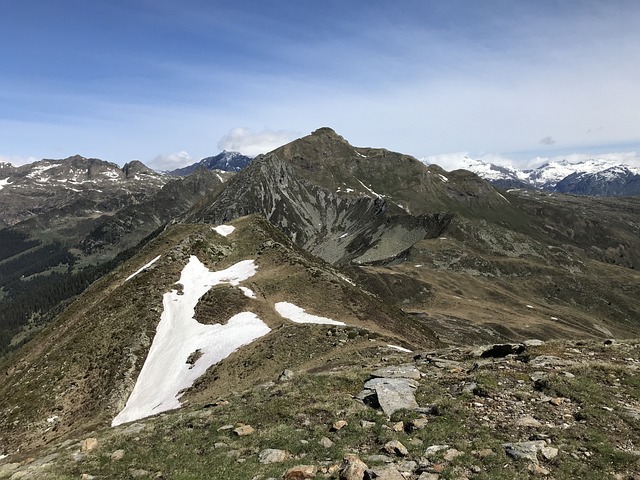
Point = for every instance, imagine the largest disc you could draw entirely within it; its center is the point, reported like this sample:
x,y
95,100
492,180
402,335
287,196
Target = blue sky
x,y
170,82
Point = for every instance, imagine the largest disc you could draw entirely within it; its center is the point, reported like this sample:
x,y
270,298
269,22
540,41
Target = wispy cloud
x,y
245,141
172,161
16,160
547,141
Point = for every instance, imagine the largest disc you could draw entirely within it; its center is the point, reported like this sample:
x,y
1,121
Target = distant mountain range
x,y
594,177
225,161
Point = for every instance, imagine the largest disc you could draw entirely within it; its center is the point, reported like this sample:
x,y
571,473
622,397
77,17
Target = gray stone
x,y
117,455
398,371
452,454
394,447
285,376
525,450
550,361
549,453
272,455
394,393
387,472
428,476
534,342
325,442
433,449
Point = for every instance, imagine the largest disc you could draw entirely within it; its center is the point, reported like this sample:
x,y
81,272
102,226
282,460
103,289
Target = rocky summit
x,y
328,311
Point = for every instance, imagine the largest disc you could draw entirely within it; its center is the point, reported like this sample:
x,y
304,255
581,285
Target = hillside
x,y
327,307
82,367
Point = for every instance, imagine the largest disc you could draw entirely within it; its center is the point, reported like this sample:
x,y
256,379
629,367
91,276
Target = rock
x,y
300,472
528,421
86,476
387,472
394,447
394,394
225,427
407,466
398,371
352,468
549,453
534,342
117,455
286,376
398,427
243,430
339,425
610,341
501,350
433,449
272,455
89,444
525,450
367,424
452,454
537,376
557,401
325,442
220,445
428,476
418,423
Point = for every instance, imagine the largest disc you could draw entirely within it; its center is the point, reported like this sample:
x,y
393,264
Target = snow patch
x,y
400,349
370,190
443,178
53,419
298,315
248,292
224,230
554,318
529,306
170,366
142,268
219,177
4,182
3,457
344,235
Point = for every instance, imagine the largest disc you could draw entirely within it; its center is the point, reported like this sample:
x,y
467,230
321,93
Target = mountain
x,y
224,161
594,177
78,233
88,185
83,367
267,321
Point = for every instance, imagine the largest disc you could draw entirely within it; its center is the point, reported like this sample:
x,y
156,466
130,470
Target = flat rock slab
x,y
525,450
398,371
394,393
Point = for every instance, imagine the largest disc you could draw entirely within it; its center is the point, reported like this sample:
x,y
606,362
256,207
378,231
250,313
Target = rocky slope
x,y
558,410
56,253
82,368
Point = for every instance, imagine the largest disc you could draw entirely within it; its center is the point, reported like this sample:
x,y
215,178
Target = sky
x,y
169,82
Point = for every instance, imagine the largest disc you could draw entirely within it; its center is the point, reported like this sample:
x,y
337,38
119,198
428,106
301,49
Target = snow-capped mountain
x,y
598,177
225,161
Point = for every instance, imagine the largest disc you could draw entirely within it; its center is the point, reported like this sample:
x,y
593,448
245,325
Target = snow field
x,y
183,349
298,315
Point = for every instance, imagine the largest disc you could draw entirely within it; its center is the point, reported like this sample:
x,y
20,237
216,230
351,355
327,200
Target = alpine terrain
x,y
595,177
327,311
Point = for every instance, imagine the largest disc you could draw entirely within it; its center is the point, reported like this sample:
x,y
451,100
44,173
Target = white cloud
x,y
248,143
172,161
